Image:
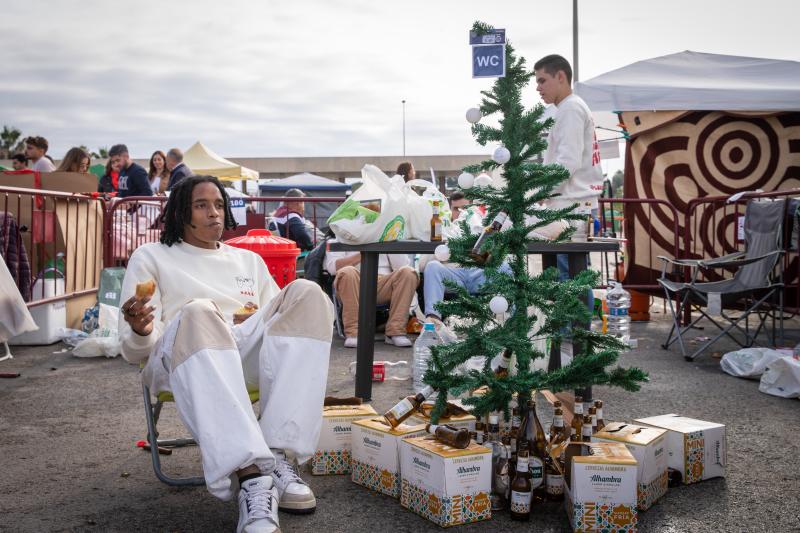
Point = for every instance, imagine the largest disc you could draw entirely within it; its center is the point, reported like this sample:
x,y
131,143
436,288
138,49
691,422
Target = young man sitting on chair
x,y
213,326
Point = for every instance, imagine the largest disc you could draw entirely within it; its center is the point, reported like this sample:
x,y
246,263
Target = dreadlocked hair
x,y
178,211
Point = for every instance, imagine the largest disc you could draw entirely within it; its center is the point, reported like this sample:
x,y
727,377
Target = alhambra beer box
x,y
376,453
458,419
333,449
695,448
601,493
649,446
446,485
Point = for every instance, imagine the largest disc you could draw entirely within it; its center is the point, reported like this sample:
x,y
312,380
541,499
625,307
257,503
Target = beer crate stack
x,y
464,470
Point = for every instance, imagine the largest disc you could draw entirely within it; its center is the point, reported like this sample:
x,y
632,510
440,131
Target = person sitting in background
x,y
35,150
397,283
406,169
200,340
177,168
290,221
435,273
109,181
75,160
19,162
158,173
133,179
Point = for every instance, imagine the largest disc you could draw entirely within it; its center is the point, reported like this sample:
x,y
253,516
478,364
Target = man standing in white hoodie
x,y
199,343
571,143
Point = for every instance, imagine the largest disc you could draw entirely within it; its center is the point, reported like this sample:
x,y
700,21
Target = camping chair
x,y
152,413
757,281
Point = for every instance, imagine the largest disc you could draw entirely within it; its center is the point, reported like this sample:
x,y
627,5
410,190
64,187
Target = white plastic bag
x,y
782,378
376,212
748,362
421,209
101,342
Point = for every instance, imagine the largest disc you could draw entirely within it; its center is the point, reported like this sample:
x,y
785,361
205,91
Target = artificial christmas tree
x,y
482,332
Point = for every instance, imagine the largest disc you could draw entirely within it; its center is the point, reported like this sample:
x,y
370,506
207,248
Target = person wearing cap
x,y
290,221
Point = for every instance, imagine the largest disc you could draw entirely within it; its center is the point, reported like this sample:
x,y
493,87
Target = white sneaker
x,y
258,506
399,340
295,495
351,342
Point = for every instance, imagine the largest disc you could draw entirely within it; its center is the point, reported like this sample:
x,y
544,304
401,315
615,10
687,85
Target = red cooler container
x,y
279,254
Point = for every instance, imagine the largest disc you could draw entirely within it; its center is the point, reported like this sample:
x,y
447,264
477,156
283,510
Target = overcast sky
x,y
320,78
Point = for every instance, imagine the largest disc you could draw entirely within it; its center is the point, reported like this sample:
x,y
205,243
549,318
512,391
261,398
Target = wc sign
x,y
488,54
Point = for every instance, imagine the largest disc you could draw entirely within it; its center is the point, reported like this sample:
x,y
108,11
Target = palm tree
x,y
8,139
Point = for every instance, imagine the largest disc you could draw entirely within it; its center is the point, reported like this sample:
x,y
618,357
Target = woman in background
x,y
110,180
76,160
158,174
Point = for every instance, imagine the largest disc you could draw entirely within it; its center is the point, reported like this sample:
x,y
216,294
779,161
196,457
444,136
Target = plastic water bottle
x,y
422,353
619,323
386,370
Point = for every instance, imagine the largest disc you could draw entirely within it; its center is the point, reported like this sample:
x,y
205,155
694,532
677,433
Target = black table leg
x,y
365,353
578,263
554,362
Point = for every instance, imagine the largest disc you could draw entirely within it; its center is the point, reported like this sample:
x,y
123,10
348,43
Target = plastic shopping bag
x,y
782,378
748,362
420,195
376,212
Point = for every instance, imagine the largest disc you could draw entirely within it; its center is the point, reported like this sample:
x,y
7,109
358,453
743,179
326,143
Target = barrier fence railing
x,y
136,220
612,213
52,242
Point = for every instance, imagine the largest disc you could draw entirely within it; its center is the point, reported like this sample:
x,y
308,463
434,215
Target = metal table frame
x,y
365,355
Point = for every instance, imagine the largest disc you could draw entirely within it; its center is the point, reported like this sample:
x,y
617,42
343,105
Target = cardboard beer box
x,y
601,493
649,446
465,420
695,448
376,453
333,449
446,485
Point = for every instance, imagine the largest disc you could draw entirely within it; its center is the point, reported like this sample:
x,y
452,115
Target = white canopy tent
x,y
202,160
697,81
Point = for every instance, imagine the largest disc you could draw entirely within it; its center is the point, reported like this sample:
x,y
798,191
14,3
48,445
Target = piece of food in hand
x,y
146,289
247,309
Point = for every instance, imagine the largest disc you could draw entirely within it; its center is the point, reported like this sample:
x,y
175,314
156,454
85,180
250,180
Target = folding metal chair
x,y
152,413
758,282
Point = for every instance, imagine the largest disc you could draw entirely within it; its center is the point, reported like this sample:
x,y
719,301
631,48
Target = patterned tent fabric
x,y
681,156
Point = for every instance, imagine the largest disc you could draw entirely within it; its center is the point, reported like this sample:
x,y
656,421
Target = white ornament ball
x,y
498,305
442,253
474,115
466,180
501,155
484,180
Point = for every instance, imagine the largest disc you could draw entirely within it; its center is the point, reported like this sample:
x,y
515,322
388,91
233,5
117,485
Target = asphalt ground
x,y
68,460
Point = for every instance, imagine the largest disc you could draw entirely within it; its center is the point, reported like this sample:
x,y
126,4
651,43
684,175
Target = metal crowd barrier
x,y
136,220
52,242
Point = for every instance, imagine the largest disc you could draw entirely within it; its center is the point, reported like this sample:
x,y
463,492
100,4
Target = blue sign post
x,y
488,54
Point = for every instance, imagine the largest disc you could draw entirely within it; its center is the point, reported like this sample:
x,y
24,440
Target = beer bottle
x,y
593,416
405,407
586,435
521,489
436,223
479,432
500,481
452,436
532,433
476,254
557,433
598,405
555,482
500,369
577,420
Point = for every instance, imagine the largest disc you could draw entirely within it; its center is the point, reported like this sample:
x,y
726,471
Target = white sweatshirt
x,y
572,144
229,276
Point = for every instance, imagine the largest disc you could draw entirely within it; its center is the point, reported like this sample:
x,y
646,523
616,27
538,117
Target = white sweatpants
x,y
282,351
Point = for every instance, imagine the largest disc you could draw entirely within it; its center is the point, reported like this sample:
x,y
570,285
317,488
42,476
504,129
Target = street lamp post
x,y
404,128
574,40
